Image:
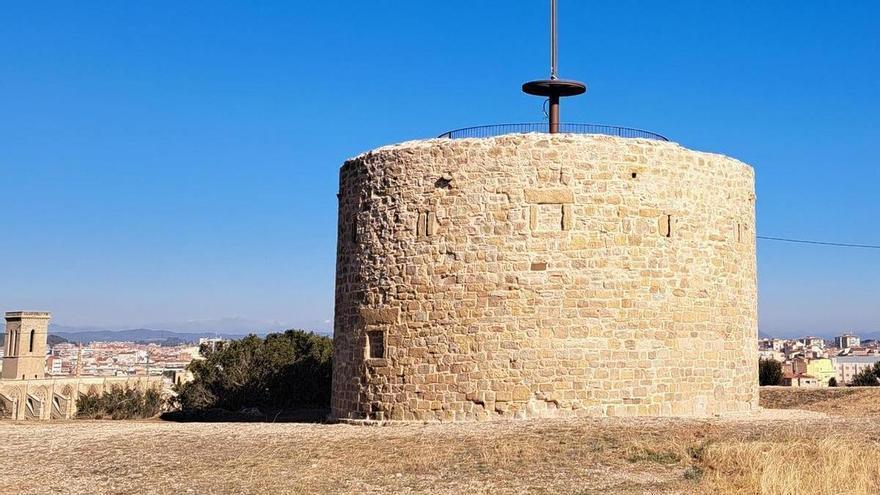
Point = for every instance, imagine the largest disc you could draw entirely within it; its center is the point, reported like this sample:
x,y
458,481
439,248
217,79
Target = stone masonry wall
x,y
544,276
56,397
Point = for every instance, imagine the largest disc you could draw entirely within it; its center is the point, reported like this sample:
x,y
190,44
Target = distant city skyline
x,y
176,162
225,326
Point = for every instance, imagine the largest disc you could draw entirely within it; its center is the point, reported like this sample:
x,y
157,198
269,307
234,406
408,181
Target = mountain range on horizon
x,y
137,335
824,335
185,330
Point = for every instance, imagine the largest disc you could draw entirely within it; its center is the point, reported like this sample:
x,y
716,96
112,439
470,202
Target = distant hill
x,y
188,329
232,326
138,335
51,339
224,326
825,335
173,333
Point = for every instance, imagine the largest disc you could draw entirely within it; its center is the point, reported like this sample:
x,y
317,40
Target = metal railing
x,y
485,131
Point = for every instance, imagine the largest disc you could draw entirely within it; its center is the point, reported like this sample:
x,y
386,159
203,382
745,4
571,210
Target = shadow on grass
x,y
316,415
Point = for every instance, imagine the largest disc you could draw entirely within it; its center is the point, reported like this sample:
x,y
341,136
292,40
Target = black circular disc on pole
x,y
554,87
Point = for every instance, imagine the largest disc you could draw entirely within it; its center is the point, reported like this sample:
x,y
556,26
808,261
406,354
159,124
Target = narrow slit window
x,y
31,344
376,345
421,224
666,225
425,224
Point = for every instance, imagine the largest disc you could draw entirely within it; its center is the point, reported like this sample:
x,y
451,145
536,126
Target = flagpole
x,y
554,88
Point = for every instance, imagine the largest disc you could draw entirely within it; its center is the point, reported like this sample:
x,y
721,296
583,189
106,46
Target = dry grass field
x,y
779,452
856,402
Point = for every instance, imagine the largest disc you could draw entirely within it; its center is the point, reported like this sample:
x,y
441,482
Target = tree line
x,y
282,371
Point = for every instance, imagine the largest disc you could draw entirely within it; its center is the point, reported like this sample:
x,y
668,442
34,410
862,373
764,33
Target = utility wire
x,y
821,243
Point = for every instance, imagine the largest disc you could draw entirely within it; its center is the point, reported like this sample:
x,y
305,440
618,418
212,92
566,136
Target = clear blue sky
x,y
166,161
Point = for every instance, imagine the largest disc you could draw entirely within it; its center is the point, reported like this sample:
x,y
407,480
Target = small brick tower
x,y
25,346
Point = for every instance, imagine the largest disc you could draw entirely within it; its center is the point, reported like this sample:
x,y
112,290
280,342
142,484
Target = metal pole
x,y
554,68
554,89
554,47
554,114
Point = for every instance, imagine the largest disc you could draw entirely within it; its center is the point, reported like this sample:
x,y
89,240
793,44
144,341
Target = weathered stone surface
x,y
549,196
380,316
535,276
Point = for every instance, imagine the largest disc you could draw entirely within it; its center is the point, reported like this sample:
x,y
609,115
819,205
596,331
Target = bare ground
x,y
617,456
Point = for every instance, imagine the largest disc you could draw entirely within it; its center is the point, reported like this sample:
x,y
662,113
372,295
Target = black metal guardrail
x,y
485,131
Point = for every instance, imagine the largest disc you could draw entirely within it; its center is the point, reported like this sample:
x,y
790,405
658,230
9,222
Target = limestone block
x,y
380,316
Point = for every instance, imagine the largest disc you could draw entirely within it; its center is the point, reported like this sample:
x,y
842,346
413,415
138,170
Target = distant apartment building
x,y
799,380
808,372
54,366
846,367
771,354
813,342
212,343
847,340
822,369
771,344
797,366
791,347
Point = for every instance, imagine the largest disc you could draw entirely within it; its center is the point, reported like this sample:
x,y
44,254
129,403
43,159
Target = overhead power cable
x,y
821,243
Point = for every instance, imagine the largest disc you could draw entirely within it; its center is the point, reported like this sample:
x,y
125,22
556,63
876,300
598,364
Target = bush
x,y
769,372
832,382
868,377
119,403
283,371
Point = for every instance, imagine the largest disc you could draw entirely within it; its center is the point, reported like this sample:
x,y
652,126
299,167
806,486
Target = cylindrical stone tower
x,y
536,275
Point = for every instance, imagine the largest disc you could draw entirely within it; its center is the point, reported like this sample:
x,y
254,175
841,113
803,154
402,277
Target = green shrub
x,y
282,371
868,377
119,403
769,372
